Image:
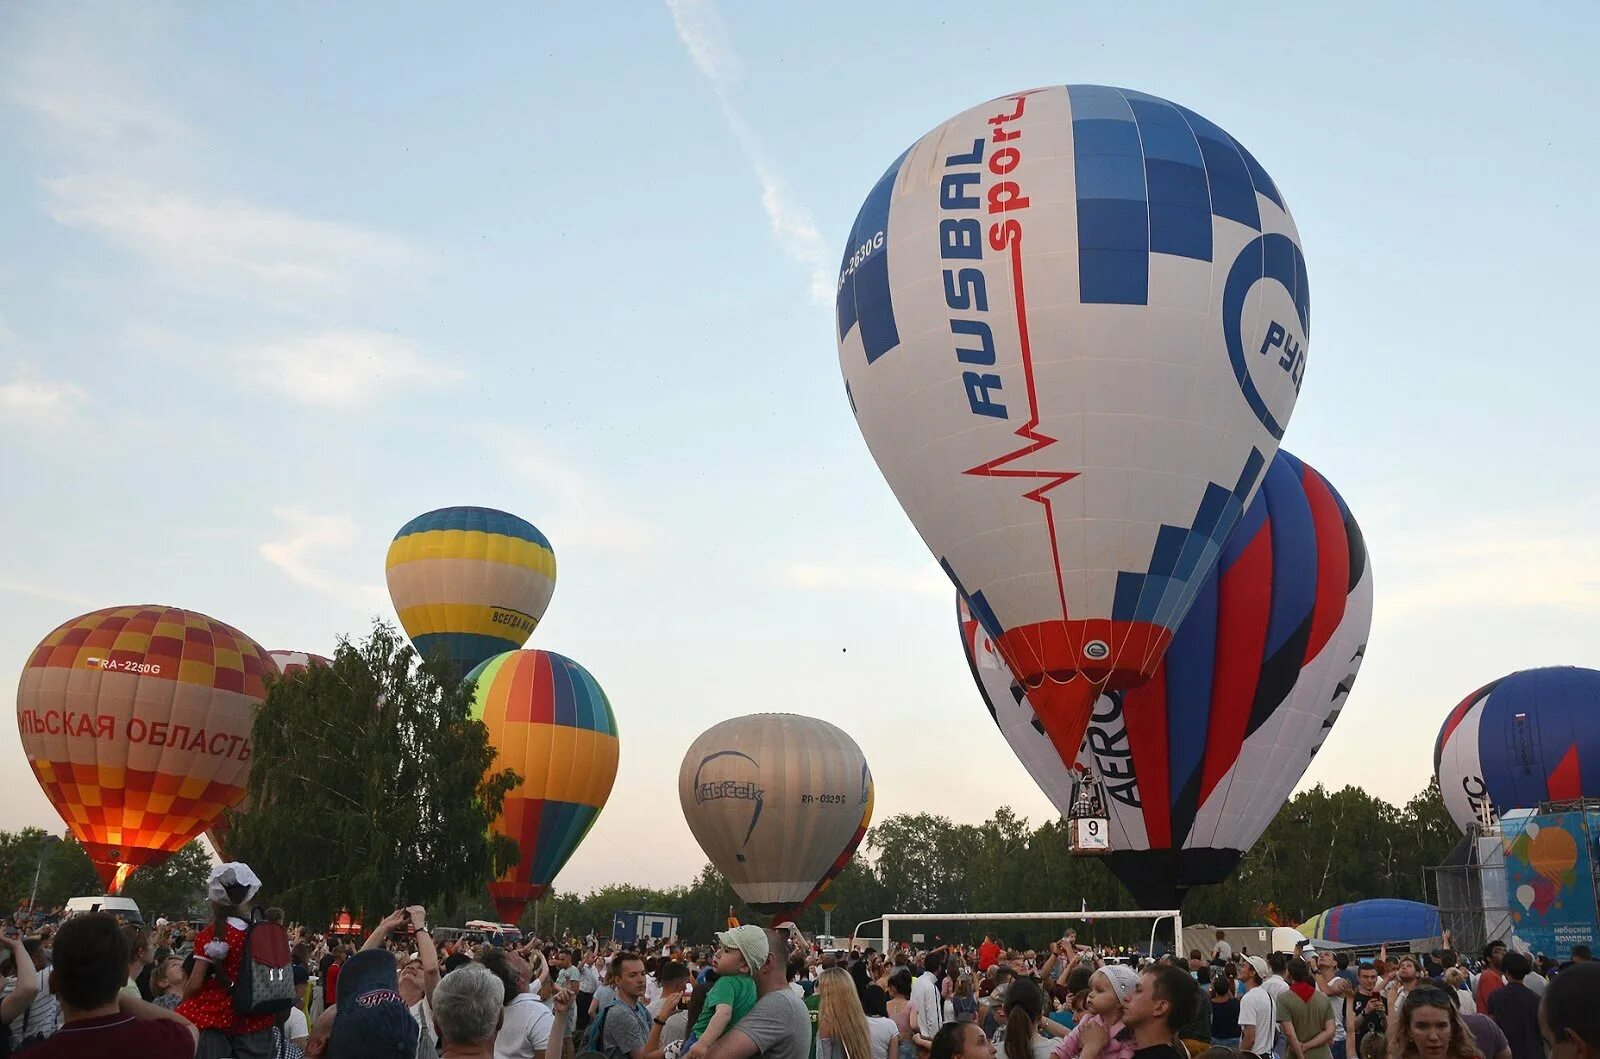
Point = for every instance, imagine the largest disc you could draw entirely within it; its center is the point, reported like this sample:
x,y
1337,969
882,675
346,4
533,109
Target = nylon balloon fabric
x,y
1073,323
136,721
779,803
1373,922
469,583
1197,761
549,720
1530,737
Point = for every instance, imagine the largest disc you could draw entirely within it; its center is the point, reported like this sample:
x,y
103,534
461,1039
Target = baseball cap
x,y
1262,968
372,1021
750,940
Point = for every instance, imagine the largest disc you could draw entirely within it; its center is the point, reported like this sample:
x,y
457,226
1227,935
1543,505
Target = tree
x,y
174,887
68,873
22,855
371,787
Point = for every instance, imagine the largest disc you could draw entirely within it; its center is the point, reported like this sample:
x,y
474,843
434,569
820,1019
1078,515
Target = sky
x,y
276,278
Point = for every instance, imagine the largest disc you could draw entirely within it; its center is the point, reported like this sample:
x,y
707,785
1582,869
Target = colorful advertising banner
x,y
1550,880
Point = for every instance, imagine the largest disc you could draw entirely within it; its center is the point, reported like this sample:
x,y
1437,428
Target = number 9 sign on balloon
x,y
1073,323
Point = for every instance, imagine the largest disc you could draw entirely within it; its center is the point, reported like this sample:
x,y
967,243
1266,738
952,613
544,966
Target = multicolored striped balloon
x,y
469,583
550,722
289,664
1197,761
136,721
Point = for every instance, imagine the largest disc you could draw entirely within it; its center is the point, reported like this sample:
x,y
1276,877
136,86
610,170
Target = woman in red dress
x,y
218,949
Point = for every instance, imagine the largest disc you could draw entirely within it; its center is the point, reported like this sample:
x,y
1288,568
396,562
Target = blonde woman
x,y
1428,1026
844,1031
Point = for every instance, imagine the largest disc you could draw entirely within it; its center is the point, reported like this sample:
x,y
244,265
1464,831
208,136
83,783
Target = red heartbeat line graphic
x,y
1029,432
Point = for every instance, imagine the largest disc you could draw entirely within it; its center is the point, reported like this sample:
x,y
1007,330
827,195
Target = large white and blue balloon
x,y
1073,323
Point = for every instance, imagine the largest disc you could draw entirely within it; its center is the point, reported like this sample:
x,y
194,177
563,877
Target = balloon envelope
x,y
136,721
1197,761
779,802
1530,737
288,663
1374,922
1072,324
469,583
550,722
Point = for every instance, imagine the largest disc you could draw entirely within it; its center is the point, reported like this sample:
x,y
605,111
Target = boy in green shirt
x,y
743,950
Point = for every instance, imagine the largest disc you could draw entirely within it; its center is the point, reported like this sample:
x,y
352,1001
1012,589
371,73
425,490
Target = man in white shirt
x,y
1258,1020
926,1005
525,1029
1221,952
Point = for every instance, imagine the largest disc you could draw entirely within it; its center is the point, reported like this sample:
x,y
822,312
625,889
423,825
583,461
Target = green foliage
x,y
370,787
175,887
21,858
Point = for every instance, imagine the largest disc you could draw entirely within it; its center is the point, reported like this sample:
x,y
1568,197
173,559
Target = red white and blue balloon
x,y
1198,760
1073,324
1530,737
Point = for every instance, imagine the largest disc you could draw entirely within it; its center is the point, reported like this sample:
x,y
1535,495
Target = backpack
x,y
594,1036
265,982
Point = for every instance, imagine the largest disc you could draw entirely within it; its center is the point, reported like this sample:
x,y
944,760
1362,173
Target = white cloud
x,y
9,583
249,248
583,517
30,397
858,577
342,368
310,546
700,29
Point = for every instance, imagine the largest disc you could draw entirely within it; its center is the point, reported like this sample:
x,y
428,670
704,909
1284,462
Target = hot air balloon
x,y
1073,324
1530,737
549,721
288,663
1197,761
136,720
469,583
779,803
1374,922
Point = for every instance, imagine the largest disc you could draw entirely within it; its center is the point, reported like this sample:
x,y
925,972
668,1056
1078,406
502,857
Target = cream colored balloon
x,y
779,803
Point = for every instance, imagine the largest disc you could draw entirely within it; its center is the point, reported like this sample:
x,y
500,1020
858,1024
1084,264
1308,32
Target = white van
x,y
117,906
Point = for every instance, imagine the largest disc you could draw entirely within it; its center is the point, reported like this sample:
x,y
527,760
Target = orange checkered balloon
x,y
136,721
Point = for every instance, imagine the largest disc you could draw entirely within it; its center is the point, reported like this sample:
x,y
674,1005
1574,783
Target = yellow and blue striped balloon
x,y
469,583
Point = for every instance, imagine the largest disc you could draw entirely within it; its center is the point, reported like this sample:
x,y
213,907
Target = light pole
x,y
45,844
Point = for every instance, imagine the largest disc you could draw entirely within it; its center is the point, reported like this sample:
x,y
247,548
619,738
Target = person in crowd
x,y
167,981
1222,951
370,1019
1305,1014
961,1040
1225,1013
963,1004
90,958
1109,989
219,949
1455,979
1158,1007
898,1005
1024,1011
1407,973
777,1027
1366,1011
588,987
525,1029
1258,1012
1427,1025
1486,1034
927,1006
468,1006
673,977
627,1031
16,1008
1489,978
1515,1008
740,951
844,1030
988,953
1569,1016
143,954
